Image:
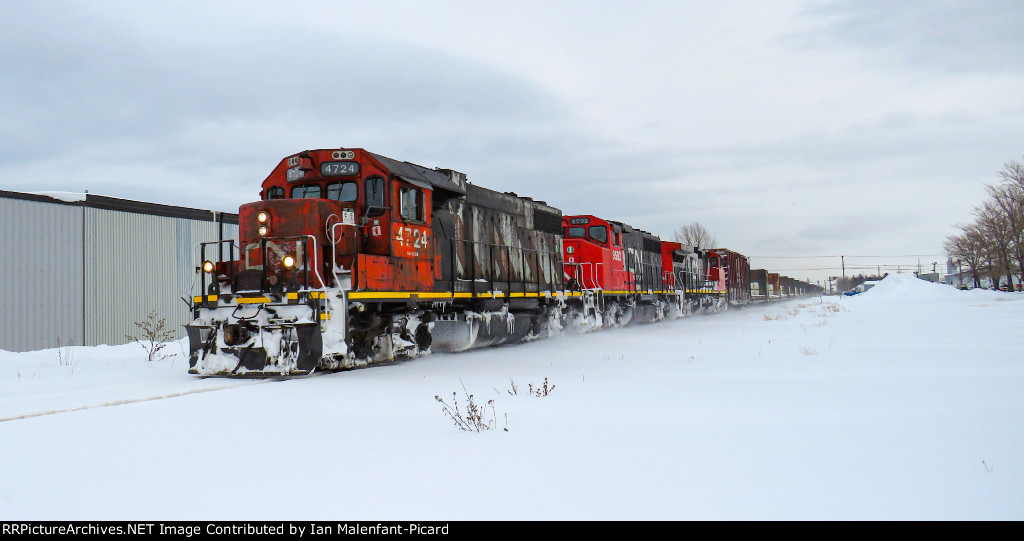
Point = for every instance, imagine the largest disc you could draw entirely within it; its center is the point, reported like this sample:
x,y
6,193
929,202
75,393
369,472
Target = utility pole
x,y
842,259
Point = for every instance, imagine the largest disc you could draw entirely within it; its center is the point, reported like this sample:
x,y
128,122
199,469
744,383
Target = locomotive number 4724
x,y
411,240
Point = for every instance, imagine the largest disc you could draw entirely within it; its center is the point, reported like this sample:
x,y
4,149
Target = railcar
x,y
734,269
774,286
691,271
758,285
623,269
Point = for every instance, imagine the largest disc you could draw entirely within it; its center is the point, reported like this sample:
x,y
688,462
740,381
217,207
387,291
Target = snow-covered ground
x,y
905,402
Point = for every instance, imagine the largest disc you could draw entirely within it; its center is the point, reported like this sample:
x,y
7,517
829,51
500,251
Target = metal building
x,y
81,269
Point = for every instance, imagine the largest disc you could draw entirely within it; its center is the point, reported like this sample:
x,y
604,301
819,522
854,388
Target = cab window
x,y
343,191
306,192
411,203
374,192
577,232
275,192
598,233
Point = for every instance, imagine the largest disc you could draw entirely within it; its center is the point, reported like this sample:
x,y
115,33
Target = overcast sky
x,y
796,128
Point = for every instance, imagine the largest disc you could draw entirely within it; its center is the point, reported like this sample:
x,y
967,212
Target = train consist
x,y
351,257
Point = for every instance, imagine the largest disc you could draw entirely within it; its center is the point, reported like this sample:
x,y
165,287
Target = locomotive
x,y
350,258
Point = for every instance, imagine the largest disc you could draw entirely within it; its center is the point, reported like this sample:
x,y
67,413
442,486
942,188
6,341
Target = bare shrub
x,y
539,390
833,307
542,390
475,419
66,355
153,336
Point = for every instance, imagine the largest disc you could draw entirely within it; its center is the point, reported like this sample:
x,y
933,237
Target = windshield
x,y
343,191
306,192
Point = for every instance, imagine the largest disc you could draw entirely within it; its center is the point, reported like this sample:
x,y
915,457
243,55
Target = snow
x,y
69,197
902,402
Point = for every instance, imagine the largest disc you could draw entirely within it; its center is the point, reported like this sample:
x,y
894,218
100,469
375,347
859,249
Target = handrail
x,y
492,271
202,257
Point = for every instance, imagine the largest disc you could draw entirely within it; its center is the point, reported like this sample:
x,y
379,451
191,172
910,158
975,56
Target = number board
x,y
578,221
294,174
411,241
339,169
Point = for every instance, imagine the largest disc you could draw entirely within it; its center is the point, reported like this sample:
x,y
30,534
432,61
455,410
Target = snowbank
x,y
901,403
904,287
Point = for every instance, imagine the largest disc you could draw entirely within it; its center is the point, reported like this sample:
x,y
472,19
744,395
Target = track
x,y
112,403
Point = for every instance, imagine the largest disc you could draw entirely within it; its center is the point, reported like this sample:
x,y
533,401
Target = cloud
x,y
88,96
764,123
940,35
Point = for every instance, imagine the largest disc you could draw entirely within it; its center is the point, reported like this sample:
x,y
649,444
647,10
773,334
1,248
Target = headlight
x,y
208,267
263,230
288,261
263,217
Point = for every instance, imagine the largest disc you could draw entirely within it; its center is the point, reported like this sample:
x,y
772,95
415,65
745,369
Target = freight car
x,y
350,257
758,285
736,270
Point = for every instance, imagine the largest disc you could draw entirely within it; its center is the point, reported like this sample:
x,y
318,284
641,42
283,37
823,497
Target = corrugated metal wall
x,y
135,264
40,275
84,275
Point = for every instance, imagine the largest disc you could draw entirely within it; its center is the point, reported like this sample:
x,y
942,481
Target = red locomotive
x,y
351,257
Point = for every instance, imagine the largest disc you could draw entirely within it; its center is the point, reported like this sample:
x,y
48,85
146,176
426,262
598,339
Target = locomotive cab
x,y
593,254
717,272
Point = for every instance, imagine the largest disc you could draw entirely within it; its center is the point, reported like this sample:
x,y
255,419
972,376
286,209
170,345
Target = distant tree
x,y
993,246
850,282
1007,201
695,235
1013,174
966,247
995,227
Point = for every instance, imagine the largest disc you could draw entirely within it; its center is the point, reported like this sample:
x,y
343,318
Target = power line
x,y
907,266
841,255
